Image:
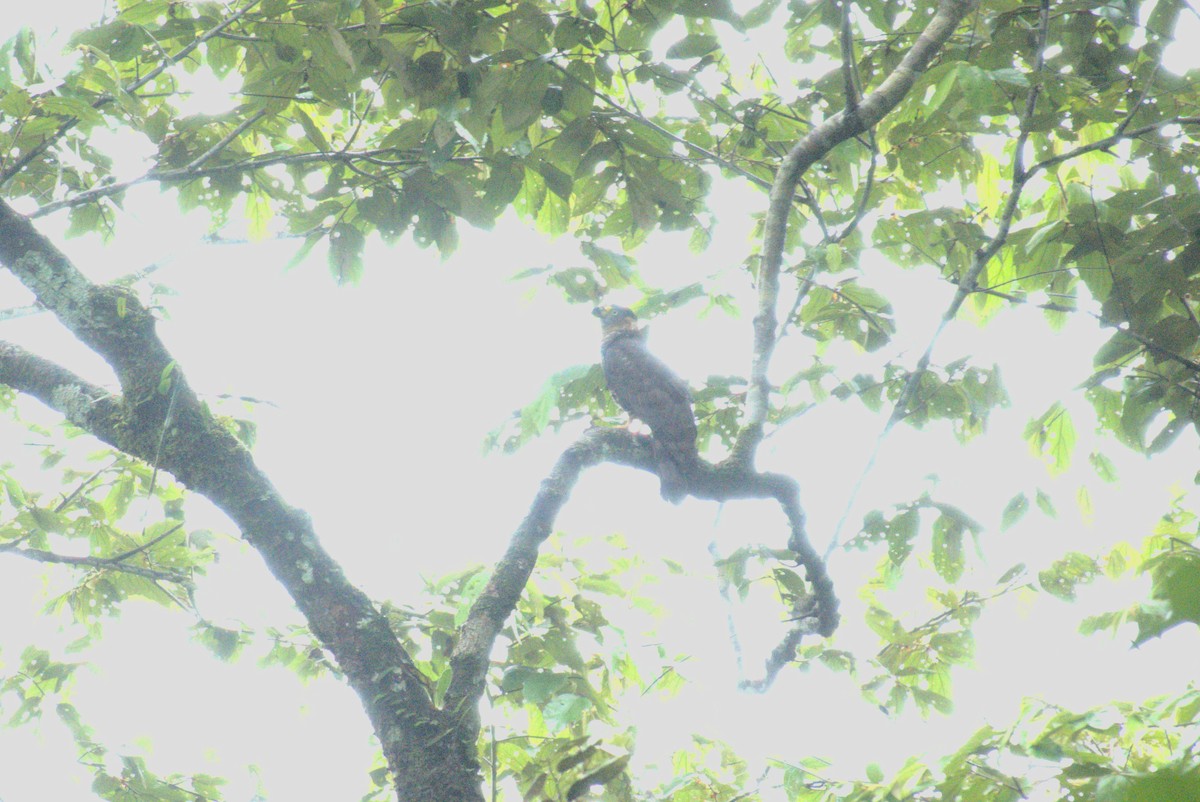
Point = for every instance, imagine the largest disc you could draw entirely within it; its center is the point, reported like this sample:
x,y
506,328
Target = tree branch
x,y
476,637
846,38
1103,144
88,406
969,279
225,141
102,563
249,165
1121,327
729,480
818,142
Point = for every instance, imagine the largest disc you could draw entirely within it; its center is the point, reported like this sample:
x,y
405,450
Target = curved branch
x,y
476,637
728,480
731,479
821,140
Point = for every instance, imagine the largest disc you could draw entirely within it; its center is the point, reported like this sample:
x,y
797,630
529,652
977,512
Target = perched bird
x,y
649,391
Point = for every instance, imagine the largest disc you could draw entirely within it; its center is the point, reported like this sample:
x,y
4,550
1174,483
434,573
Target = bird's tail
x,y
676,464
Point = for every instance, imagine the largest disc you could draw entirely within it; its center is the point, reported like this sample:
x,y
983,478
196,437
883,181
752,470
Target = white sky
x,y
378,421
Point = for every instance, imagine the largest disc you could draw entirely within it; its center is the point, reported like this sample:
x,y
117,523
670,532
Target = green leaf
x,y
1046,504
761,13
522,102
693,45
540,686
164,378
1014,511
565,710
885,625
1061,578
258,214
1053,436
600,776
1173,783
1175,593
340,46
312,130
948,558
1103,467
714,9
16,493
224,643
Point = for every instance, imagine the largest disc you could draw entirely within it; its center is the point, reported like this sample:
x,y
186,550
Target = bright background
x,y
379,398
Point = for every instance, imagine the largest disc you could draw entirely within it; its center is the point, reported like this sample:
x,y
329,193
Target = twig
x,y
74,494
249,165
196,163
1186,299
723,587
612,33
147,545
21,311
1109,141
39,555
864,199
967,283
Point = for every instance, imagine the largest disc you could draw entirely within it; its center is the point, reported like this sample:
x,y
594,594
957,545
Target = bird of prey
x,y
649,391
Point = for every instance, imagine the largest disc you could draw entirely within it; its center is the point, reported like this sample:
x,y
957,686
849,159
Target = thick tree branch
x,y
821,140
87,405
733,479
208,459
476,637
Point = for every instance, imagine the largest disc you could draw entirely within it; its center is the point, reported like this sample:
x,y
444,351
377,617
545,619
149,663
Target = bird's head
x,y
616,318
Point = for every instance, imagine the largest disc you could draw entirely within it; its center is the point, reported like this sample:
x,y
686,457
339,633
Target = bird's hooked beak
x,y
615,318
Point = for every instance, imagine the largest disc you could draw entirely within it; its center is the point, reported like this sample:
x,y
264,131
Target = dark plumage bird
x,y
649,391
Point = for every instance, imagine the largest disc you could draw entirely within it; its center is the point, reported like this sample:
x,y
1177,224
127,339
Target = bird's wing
x,y
646,388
